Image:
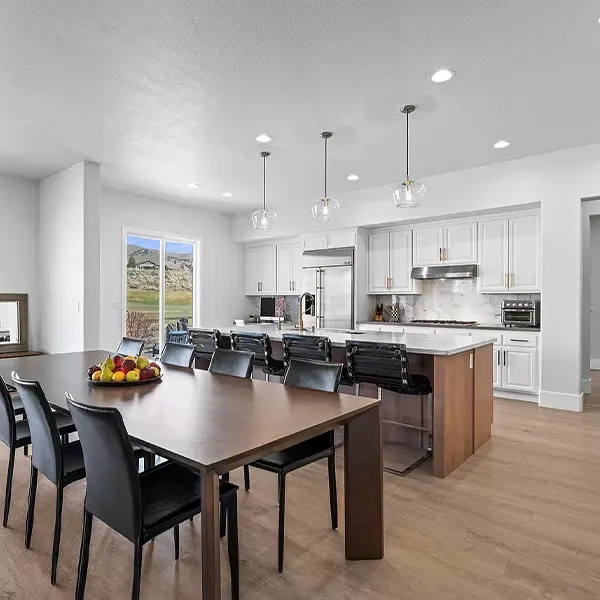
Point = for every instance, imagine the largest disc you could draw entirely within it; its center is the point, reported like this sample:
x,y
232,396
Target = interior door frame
x,y
163,237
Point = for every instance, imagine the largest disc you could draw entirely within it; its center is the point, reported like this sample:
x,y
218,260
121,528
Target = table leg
x,y
211,559
363,487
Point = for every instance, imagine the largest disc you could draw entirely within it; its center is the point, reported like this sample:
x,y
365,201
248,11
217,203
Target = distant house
x,y
147,265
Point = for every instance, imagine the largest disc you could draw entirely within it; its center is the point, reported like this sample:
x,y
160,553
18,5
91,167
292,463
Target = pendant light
x,y
408,194
265,218
325,209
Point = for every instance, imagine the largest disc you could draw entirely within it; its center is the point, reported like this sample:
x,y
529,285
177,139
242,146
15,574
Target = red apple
x,y
118,360
127,365
92,370
147,373
154,364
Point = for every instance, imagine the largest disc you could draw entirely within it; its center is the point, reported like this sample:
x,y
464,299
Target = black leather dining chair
x,y
260,345
130,347
139,506
15,434
314,375
177,355
206,341
232,362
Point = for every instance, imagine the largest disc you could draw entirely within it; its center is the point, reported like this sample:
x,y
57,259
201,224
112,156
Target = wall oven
x,y
520,313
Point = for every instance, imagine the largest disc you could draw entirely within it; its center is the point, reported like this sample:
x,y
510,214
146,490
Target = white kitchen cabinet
x,y
524,264
451,244
519,370
497,371
341,238
289,268
428,243
390,263
261,270
460,243
315,242
510,255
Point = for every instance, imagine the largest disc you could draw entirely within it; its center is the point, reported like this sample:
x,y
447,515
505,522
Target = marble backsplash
x,y
452,300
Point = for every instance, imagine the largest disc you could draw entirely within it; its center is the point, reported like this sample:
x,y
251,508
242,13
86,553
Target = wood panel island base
x,y
461,373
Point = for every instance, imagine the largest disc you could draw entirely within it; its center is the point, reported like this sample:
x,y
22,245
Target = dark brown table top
x,y
207,421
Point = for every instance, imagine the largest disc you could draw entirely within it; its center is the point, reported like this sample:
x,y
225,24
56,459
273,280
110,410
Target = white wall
x,y
558,181
595,290
19,244
61,261
222,279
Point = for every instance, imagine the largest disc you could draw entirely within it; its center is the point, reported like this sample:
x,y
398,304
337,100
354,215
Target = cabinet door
x,y
460,243
427,246
318,242
524,254
379,262
401,262
519,370
285,265
297,269
493,256
268,281
497,382
253,270
341,239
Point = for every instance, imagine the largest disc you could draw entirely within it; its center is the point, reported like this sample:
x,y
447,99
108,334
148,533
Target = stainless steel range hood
x,y
445,272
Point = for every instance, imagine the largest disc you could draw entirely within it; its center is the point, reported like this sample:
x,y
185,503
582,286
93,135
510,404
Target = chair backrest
x,y
7,415
232,362
383,364
258,343
305,347
206,341
45,439
113,491
178,355
130,347
313,374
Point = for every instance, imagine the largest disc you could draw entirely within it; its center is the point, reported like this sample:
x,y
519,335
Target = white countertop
x,y
416,343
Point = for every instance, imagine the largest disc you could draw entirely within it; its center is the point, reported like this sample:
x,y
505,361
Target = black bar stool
x,y
305,347
260,345
386,366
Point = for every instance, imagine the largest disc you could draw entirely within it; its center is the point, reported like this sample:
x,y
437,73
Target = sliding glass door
x,y
160,288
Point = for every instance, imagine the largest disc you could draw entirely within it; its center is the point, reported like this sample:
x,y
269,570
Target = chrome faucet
x,y
309,295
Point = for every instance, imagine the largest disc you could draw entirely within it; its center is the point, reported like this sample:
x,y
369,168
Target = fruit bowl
x,y
120,371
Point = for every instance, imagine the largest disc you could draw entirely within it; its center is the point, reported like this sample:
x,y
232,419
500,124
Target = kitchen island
x,y
461,373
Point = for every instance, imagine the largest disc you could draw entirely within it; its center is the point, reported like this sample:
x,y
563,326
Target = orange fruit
x,y
119,376
96,375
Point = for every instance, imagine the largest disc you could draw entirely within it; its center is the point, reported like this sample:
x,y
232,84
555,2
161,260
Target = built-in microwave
x,y
520,313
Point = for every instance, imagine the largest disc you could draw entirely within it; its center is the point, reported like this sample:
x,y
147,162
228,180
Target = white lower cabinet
x,y
497,375
519,370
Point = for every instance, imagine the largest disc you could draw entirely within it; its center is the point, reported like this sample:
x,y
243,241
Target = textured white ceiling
x,y
163,92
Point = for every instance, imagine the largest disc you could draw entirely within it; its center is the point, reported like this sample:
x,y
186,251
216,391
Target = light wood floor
x,y
519,520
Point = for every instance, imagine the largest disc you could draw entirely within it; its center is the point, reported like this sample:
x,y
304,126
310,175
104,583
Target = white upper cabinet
x,y
510,255
379,262
390,263
460,243
289,268
493,256
401,263
261,270
451,244
524,256
315,242
428,244
342,238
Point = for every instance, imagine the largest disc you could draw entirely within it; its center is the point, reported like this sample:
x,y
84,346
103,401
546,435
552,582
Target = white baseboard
x,y
560,401
517,396
586,386
595,364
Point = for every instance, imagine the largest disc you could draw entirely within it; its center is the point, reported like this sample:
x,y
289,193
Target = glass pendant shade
x,y
408,194
325,209
264,219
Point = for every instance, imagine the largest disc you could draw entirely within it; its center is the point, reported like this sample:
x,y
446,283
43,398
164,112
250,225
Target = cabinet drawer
x,y
369,327
486,334
392,328
521,339
452,331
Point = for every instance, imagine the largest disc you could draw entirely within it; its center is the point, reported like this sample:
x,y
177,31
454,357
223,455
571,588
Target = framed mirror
x,y
14,317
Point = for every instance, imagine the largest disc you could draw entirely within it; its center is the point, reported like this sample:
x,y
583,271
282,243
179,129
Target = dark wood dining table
x,y
216,423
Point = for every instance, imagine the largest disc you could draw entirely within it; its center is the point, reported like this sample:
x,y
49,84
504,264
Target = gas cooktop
x,y
442,322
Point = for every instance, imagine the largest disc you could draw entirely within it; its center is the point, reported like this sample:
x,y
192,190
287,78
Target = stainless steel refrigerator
x,y
329,276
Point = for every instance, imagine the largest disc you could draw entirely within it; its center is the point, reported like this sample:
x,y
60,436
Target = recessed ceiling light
x,y
193,185
227,194
442,75
353,177
263,138
501,144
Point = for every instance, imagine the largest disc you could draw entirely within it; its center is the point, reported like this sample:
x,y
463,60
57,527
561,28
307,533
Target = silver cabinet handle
x,y
258,286
440,255
504,351
498,357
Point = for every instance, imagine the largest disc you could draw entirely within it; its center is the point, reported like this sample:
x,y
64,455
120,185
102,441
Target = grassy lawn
x,y
177,303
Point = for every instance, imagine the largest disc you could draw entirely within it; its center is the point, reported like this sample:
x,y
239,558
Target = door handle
x,y
506,280
512,280
504,351
498,357
258,286
445,253
440,255
391,283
